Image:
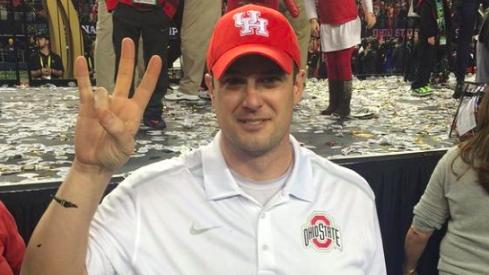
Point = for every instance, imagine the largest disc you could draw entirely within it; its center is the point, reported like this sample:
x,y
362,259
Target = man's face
x,y
42,42
254,100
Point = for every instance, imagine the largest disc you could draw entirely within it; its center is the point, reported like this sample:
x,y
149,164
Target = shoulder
x,y
55,55
327,169
452,155
453,162
165,171
34,56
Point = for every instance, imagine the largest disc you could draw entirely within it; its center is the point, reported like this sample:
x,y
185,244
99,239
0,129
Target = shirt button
x,y
263,215
264,247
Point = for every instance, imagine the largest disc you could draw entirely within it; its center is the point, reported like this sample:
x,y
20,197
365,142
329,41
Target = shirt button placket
x,y
266,257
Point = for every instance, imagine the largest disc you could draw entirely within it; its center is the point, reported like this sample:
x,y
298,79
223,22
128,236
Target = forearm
x,y
414,246
59,242
57,73
36,73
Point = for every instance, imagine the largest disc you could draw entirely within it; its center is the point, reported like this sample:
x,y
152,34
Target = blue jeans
x,y
467,13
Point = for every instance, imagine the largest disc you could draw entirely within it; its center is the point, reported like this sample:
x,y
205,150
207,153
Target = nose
x,y
252,98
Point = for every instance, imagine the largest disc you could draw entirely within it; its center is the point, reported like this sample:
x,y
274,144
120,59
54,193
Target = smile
x,y
253,121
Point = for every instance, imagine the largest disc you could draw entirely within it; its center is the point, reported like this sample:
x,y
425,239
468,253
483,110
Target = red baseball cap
x,y
253,29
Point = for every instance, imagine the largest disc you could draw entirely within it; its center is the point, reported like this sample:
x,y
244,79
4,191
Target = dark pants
x,y
467,13
153,26
426,57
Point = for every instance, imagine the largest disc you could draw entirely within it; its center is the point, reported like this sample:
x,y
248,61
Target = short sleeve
x,y
112,234
59,64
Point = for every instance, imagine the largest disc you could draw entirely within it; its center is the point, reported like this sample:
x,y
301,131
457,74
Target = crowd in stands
x,y
394,56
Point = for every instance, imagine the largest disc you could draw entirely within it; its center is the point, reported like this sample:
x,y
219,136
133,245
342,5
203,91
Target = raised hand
x,y
106,124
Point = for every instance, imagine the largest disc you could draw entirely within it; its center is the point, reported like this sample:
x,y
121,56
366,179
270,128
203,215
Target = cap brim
x,y
280,57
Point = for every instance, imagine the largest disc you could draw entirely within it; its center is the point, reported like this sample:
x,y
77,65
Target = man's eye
x,y
232,81
271,80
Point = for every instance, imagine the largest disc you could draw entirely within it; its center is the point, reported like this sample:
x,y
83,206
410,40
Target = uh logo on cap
x,y
252,24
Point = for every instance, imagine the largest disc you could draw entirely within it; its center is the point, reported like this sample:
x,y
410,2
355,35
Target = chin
x,y
256,146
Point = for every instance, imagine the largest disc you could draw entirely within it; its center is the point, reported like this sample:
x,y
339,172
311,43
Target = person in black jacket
x,y
44,63
434,22
482,75
467,11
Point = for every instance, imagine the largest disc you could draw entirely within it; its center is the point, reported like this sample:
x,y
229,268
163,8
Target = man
x,y
482,75
467,11
10,50
199,17
44,63
252,201
151,20
104,50
300,23
433,29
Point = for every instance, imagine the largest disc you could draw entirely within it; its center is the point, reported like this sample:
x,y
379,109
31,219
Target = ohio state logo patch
x,y
321,233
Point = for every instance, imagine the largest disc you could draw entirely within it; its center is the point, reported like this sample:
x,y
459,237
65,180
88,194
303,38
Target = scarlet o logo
x,y
321,241
321,233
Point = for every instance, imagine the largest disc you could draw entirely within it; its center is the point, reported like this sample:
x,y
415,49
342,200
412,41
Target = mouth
x,y
253,121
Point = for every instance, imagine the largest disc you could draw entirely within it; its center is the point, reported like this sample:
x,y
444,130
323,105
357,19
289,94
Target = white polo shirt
x,y
187,215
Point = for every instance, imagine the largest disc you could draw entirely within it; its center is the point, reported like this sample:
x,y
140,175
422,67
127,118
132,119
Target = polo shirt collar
x,y
219,182
301,181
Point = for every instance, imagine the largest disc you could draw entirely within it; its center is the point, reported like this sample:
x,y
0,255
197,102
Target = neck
x,y
45,50
260,167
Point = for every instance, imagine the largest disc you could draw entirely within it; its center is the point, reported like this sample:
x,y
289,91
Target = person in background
x,y
313,57
44,63
150,20
433,32
199,18
398,56
412,57
104,56
458,192
10,50
295,11
236,204
31,45
89,55
482,75
339,27
12,246
467,11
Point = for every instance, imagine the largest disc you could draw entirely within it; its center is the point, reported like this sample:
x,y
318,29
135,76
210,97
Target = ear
x,y
299,86
210,85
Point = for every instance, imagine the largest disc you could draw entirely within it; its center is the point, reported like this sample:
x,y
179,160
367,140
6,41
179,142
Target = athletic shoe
x,y
422,91
177,96
204,94
155,122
